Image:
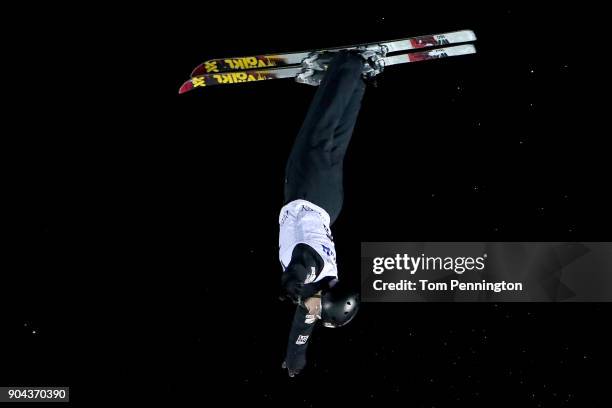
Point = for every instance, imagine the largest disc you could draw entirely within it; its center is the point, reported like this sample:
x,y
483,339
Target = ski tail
x,y
437,53
278,60
430,41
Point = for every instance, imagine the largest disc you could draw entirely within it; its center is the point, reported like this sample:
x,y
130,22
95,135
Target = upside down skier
x,y
313,175
313,197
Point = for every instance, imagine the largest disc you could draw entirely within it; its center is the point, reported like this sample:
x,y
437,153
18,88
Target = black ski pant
x,y
315,166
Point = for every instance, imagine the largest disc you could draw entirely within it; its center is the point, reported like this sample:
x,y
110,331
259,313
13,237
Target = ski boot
x,y
316,64
309,76
374,60
314,67
374,57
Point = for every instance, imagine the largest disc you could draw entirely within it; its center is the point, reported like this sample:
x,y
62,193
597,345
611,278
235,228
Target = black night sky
x,y
146,242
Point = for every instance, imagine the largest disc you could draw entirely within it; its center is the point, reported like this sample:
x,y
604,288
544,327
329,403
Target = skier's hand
x,y
296,290
294,366
292,288
309,290
313,304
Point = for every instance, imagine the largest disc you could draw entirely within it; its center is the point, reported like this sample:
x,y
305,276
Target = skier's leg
x,y
342,138
310,172
331,99
344,130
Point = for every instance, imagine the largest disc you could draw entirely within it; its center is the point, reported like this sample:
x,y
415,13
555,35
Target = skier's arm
x,y
308,311
304,260
297,344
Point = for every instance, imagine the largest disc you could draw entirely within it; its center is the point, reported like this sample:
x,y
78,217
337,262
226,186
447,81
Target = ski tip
x,y
199,70
186,87
471,35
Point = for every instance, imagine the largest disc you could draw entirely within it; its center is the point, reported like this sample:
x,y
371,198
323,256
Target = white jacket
x,y
301,221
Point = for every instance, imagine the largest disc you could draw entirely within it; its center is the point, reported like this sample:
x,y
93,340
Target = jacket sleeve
x,y
297,344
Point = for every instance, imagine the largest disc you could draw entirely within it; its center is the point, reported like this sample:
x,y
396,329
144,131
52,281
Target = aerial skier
x,y
313,190
314,197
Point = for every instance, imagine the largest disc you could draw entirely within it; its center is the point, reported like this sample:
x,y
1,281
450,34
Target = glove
x,y
309,290
292,284
295,365
293,288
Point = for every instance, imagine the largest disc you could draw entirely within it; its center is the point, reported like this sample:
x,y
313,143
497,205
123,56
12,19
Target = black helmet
x,y
339,306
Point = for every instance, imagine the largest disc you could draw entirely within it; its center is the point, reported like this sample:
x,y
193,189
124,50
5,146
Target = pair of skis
x,y
275,66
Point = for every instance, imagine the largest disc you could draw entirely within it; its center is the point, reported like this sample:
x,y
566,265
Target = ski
x,y
224,78
278,60
430,54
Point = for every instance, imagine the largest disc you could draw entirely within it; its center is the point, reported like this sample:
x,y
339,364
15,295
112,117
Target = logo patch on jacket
x,y
311,276
301,339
